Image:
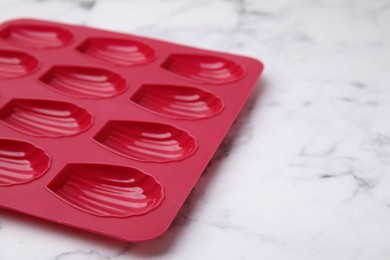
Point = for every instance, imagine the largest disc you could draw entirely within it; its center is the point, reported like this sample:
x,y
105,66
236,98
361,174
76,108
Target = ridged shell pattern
x,y
178,102
45,118
146,141
204,68
14,64
107,190
84,82
21,162
36,36
122,52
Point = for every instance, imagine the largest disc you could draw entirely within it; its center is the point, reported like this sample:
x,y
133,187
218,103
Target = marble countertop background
x,y
305,171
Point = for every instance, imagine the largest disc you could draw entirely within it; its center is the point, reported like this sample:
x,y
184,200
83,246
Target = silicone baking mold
x,y
109,132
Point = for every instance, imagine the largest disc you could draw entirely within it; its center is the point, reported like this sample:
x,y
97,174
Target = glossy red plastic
x,y
109,132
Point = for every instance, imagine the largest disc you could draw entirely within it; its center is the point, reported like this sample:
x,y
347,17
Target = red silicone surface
x,y
109,132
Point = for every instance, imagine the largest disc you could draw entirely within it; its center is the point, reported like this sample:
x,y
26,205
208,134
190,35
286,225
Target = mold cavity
x,y
107,190
202,68
121,52
84,82
146,141
178,102
14,64
36,36
21,162
45,118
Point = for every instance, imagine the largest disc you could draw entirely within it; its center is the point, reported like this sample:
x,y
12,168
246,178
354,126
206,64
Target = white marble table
x,y
305,171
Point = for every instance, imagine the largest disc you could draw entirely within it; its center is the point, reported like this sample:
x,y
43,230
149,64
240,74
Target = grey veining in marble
x,y
305,171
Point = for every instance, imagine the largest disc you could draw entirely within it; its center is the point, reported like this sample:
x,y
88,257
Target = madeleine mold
x,y
110,132
45,118
107,190
178,102
145,141
123,52
85,82
202,68
15,64
21,162
36,36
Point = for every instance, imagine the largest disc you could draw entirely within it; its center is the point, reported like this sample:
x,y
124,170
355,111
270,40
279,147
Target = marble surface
x,y
305,171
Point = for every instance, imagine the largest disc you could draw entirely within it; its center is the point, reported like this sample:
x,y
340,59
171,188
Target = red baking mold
x,y
15,64
202,68
45,118
109,132
115,51
21,162
36,36
145,141
84,82
179,102
107,190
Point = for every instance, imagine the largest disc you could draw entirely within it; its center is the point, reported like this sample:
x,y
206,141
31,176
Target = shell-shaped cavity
x,y
107,190
84,82
45,118
146,141
36,36
14,64
21,162
178,102
204,68
115,51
